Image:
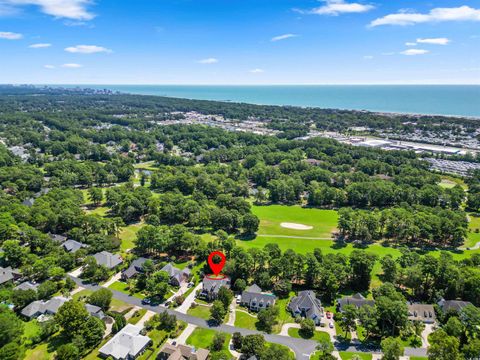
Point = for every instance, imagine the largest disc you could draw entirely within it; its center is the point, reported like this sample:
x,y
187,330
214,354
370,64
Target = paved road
x,y
302,348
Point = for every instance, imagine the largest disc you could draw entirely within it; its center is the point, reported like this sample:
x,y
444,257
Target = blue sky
x,y
240,42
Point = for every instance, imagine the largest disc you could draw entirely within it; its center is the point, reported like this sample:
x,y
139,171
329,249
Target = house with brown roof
x,y
421,312
182,352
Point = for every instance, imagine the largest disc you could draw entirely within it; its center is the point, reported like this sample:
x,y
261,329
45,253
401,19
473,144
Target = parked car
x,y
329,315
330,325
190,284
168,303
146,301
239,299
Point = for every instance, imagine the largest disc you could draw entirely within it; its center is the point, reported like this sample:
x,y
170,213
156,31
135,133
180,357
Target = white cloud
x,y
434,41
336,7
283,37
70,9
410,44
49,66
39,46
208,61
87,49
462,13
257,71
72,66
413,52
368,57
10,35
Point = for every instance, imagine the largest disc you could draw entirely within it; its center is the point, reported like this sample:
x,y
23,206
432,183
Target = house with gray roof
x,y
211,286
307,305
73,246
135,268
127,344
40,307
256,300
452,305
107,259
357,300
28,202
27,285
95,311
177,276
60,239
8,274
421,312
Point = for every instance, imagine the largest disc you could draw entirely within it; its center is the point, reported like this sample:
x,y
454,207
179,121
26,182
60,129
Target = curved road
x,y
302,348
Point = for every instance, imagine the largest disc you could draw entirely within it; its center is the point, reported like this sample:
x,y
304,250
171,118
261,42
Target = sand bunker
x,y
295,226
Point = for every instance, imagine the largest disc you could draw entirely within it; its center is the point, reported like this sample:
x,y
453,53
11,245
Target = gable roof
x,y
58,238
135,267
184,352
173,272
72,246
126,343
27,285
421,312
254,295
44,307
8,274
306,302
213,285
452,305
357,300
107,259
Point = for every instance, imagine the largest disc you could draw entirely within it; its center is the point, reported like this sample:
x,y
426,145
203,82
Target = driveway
x,y
189,300
302,348
113,279
182,338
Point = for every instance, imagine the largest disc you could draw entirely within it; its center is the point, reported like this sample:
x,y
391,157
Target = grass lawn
x,y
347,355
31,329
322,221
128,234
123,287
202,338
137,316
45,350
244,320
418,358
101,211
115,305
200,311
284,315
317,336
147,165
473,237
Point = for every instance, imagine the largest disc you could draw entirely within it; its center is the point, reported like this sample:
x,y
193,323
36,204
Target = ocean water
x,y
458,100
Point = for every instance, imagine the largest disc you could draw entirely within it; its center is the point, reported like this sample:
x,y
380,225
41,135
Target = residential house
x,y
307,305
8,274
95,311
72,246
177,276
108,260
28,202
357,300
452,305
27,285
134,269
127,344
59,239
256,300
211,286
181,352
421,312
40,307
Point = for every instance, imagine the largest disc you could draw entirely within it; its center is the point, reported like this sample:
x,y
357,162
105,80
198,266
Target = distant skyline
x,y
255,42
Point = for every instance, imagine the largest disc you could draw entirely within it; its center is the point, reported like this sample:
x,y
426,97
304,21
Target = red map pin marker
x,y
216,268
